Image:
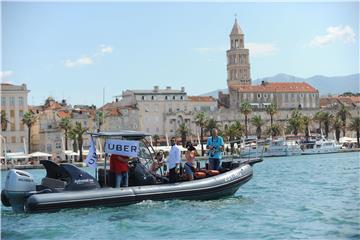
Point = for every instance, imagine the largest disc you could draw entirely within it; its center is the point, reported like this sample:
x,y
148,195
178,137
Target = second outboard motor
x,y
18,185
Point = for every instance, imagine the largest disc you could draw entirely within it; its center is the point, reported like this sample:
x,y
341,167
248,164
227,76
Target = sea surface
x,y
301,197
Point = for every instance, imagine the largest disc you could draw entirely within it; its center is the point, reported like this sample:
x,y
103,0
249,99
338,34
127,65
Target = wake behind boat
x,y
66,186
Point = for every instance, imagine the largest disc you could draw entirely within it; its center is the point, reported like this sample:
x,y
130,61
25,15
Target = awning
x,y
40,154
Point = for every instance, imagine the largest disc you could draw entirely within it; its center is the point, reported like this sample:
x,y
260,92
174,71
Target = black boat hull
x,y
222,185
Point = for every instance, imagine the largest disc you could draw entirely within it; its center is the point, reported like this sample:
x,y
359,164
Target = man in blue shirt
x,y
215,144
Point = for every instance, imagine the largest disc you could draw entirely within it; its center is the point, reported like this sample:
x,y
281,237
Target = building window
x,y
152,97
21,101
157,129
236,43
13,139
181,97
49,148
173,97
12,101
142,97
166,97
21,114
3,101
12,113
259,95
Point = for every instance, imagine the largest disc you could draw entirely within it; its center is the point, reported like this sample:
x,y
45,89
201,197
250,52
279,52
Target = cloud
x,y
261,49
78,62
106,49
5,74
89,59
334,33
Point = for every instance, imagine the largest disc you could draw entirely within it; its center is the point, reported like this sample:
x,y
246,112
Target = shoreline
x,y
101,163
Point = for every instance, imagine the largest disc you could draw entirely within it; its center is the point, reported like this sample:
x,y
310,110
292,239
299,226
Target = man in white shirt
x,y
173,161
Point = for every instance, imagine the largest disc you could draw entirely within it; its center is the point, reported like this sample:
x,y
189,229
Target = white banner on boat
x,y
122,147
91,157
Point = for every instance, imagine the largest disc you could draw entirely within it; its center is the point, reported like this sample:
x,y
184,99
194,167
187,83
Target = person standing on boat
x,y
119,166
189,166
215,144
173,161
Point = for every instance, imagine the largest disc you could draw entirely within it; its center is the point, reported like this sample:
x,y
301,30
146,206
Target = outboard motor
x,y
17,187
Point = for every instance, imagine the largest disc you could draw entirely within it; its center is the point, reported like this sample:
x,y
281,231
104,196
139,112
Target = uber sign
x,y
122,147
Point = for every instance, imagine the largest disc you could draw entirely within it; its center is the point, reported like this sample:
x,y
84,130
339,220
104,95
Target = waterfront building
x,y
161,111
14,103
288,95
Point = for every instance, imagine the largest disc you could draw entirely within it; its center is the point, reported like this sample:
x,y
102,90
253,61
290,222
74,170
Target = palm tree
x,y
258,123
245,108
355,126
29,119
211,124
327,118
233,132
319,118
306,122
79,131
295,123
337,125
274,130
72,135
156,139
271,110
201,121
343,113
183,131
4,120
65,124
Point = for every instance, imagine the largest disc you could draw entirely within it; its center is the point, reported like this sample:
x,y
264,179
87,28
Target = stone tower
x,y
238,66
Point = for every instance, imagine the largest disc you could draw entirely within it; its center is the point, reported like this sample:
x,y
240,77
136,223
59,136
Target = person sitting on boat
x,y
215,144
189,166
119,166
173,161
158,162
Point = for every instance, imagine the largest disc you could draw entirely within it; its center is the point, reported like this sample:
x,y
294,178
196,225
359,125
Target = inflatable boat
x,y
67,186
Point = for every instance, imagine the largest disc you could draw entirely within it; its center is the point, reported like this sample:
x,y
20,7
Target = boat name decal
x,y
25,180
233,176
83,181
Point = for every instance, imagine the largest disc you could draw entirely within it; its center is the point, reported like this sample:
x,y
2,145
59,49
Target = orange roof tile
x,y
63,114
201,99
276,87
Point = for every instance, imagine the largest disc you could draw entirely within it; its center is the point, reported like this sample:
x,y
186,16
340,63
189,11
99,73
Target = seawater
x,y
300,197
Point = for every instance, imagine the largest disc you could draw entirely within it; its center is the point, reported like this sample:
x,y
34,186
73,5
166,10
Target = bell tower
x,y
238,65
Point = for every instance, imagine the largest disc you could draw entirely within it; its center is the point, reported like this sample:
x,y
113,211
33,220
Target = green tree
x,y
245,108
72,135
156,139
327,119
258,123
319,118
337,125
211,124
233,132
79,131
65,124
271,110
4,120
355,126
201,121
274,130
306,124
183,131
295,122
29,119
343,113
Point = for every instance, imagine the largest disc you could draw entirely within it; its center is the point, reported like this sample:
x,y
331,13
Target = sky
x,y
77,50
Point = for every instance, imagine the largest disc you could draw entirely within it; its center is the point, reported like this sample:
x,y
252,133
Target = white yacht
x,y
320,146
271,148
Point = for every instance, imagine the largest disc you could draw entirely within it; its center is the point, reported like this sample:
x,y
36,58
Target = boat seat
x,y
54,184
213,172
199,175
